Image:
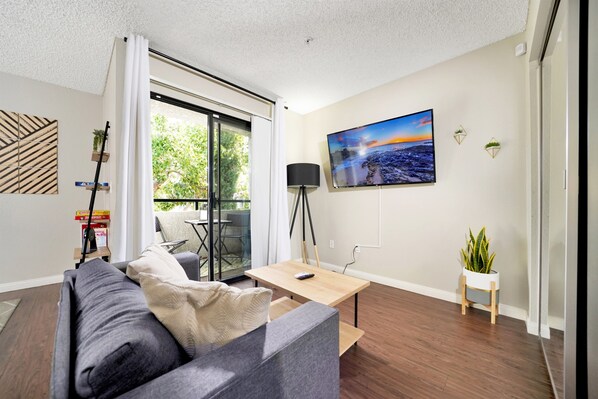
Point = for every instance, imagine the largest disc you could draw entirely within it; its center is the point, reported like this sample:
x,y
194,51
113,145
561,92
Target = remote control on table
x,y
303,276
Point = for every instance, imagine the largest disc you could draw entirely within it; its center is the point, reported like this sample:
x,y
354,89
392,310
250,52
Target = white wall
x,y
37,232
424,226
112,112
295,142
175,80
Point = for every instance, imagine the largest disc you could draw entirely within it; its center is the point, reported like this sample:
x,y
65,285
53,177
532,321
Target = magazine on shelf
x,y
101,231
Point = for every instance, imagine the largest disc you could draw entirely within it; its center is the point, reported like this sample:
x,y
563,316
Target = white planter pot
x,y
477,288
481,281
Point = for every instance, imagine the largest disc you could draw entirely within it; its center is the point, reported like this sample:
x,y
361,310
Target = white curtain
x,y
270,242
133,222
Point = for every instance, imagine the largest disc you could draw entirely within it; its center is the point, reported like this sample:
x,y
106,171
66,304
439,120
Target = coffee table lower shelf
x,y
348,335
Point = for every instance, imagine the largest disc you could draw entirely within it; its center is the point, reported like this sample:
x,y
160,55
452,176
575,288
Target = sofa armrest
x,y
61,385
294,356
189,261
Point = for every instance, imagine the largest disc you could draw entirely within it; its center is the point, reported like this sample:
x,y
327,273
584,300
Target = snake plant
x,y
476,256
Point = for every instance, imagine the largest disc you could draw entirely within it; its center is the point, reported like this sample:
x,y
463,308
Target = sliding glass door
x,y
201,185
230,203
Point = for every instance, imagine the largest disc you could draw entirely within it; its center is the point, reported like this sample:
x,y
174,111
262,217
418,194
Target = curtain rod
x,y
151,50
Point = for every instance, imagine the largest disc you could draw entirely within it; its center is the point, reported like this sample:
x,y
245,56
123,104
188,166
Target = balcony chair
x,y
172,245
238,229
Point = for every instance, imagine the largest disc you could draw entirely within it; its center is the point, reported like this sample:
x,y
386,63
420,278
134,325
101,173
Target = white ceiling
x,y
357,44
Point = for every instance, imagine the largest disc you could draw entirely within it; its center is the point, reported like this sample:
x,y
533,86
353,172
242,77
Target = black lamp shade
x,y
303,174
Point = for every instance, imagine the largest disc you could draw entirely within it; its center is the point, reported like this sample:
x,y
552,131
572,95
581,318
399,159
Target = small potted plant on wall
x,y
98,136
459,134
492,147
479,283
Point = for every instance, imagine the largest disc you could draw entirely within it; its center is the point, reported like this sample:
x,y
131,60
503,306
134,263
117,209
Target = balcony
x,y
232,240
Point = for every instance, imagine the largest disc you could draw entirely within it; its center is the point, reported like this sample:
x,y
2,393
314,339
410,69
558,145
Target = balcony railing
x,y
197,201
236,258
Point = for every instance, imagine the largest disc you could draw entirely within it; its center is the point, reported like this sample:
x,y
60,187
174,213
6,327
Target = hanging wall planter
x,y
459,135
493,147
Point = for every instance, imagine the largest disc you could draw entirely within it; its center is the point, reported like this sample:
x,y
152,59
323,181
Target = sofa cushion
x,y
156,260
205,315
119,344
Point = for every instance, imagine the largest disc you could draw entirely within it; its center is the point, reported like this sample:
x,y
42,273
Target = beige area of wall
x,y
37,232
295,143
175,80
112,112
424,226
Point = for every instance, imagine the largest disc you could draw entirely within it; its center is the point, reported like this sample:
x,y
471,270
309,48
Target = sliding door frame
x,y
213,197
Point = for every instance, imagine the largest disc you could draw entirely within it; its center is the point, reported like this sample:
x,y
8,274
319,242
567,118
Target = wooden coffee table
x,y
325,287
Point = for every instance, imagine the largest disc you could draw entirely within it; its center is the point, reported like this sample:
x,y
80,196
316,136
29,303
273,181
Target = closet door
x,y
592,193
554,200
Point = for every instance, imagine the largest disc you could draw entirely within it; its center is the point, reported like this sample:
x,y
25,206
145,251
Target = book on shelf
x,y
91,184
101,231
100,214
93,217
85,212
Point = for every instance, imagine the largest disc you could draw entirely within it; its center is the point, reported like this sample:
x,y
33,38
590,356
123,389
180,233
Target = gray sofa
x,y
108,344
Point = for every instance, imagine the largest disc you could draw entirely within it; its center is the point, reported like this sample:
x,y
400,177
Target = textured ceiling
x,y
357,44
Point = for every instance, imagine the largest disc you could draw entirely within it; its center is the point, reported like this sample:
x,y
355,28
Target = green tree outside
x,y
180,163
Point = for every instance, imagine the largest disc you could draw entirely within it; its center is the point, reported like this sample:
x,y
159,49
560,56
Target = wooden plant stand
x,y
465,303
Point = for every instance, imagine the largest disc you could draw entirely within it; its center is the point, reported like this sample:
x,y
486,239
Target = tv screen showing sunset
x,y
395,151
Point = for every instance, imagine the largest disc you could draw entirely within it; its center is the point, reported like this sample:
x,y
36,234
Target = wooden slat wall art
x,y
28,154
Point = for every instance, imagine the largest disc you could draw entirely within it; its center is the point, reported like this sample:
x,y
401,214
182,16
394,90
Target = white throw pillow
x,y
205,315
156,260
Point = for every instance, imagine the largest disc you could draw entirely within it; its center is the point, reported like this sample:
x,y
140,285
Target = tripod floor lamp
x,y
302,176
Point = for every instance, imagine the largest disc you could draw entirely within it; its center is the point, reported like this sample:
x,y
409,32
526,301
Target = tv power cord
x,y
352,257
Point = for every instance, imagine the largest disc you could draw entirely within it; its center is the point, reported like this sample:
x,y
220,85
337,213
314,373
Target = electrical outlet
x,y
357,249
331,243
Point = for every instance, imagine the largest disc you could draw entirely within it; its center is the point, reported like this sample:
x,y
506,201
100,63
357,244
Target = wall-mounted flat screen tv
x,y
394,151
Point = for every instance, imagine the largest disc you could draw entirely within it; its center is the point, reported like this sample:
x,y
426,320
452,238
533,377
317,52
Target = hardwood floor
x,y
414,347
27,342
420,347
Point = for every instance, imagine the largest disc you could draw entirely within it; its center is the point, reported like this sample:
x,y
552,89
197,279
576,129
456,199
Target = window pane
x,y
180,148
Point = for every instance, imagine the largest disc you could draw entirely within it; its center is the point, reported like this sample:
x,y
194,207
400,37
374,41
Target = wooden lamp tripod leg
x,y
493,307
303,245
463,299
311,225
300,198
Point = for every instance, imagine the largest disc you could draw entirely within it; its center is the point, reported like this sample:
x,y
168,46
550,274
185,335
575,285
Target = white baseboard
x,y
36,282
532,327
506,310
545,331
558,323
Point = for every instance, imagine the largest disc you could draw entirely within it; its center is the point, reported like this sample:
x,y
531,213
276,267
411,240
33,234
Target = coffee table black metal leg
x,y
255,282
356,308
